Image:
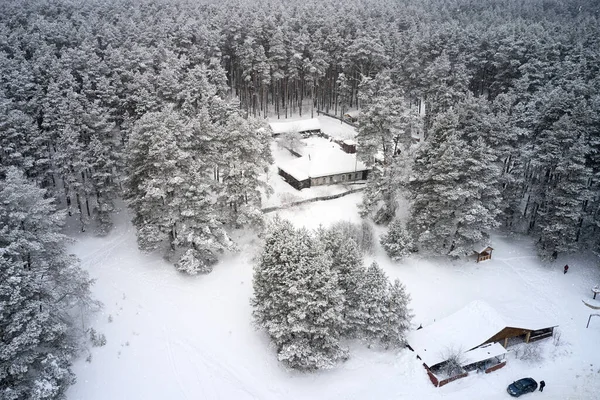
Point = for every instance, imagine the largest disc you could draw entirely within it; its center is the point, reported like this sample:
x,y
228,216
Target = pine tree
x,y
347,262
387,124
455,188
563,151
396,242
246,156
375,295
297,299
39,285
170,191
397,321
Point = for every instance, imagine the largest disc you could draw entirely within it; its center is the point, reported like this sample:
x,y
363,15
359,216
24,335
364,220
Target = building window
x,y
343,177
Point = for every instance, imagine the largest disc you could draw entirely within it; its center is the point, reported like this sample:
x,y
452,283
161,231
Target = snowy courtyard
x,y
180,337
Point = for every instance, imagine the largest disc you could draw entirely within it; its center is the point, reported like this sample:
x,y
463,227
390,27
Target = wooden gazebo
x,y
484,253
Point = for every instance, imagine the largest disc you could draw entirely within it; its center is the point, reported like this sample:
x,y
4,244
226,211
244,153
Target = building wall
x,y
293,181
495,367
339,178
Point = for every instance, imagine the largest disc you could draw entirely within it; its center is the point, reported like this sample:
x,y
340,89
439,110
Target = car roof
x,y
529,380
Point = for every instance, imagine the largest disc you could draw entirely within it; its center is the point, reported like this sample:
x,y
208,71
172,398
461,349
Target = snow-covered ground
x,y
180,337
171,336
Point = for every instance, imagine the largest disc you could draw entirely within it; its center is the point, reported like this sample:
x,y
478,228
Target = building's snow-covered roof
x,y
481,249
353,113
484,352
349,142
467,329
322,162
296,126
462,331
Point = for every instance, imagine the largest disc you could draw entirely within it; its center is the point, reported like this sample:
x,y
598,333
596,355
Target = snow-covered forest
x,y
163,105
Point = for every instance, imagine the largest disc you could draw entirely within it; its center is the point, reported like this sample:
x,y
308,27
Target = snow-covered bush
x,y
397,242
528,352
556,338
453,364
97,339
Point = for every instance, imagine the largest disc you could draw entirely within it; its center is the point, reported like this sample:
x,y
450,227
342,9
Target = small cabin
x,y
352,116
484,253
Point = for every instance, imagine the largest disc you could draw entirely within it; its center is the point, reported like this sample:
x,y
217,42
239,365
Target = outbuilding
x,y
483,253
352,116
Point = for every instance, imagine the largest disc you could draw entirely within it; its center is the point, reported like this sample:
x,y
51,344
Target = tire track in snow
x,y
172,363
540,288
210,361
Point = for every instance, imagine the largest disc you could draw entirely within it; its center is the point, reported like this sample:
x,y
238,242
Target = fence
x,y
321,198
337,117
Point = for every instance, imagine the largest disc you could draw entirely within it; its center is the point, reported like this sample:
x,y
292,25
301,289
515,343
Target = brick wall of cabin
x,y
495,367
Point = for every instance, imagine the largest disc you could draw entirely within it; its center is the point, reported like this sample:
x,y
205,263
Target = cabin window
x,y
349,176
343,177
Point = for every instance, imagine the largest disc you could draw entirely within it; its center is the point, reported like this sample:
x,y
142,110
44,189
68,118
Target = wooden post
x,y
591,315
505,342
527,337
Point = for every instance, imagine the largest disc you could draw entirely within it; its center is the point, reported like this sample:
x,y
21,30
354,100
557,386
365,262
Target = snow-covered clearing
x,y
171,336
180,337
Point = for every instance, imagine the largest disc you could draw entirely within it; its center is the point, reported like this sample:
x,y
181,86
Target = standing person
x,y
542,384
566,268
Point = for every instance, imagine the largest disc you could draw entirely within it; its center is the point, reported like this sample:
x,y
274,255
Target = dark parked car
x,y
522,386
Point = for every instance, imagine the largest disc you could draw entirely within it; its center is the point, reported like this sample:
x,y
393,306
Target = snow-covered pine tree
x,y
397,242
375,295
17,140
154,177
446,83
455,188
246,156
398,315
39,285
348,263
386,125
562,154
170,190
103,156
297,299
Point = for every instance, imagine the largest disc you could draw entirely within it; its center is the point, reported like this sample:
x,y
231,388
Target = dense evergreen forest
x,y
162,104
152,101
